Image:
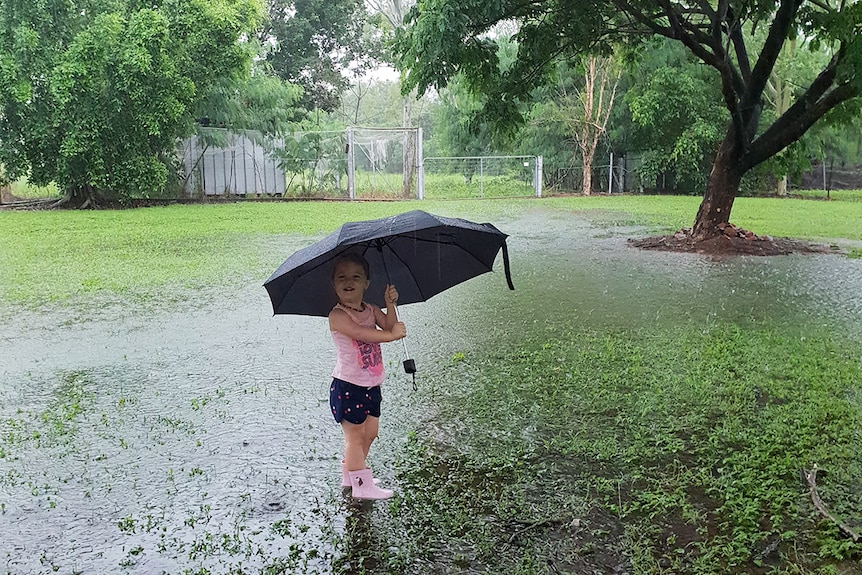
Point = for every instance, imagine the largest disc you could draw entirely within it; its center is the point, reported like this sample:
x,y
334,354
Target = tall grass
x,y
22,189
455,186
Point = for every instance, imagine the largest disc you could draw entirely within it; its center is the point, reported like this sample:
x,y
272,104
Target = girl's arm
x,y
339,321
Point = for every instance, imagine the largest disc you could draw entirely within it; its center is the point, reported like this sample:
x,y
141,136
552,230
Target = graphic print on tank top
x,y
369,357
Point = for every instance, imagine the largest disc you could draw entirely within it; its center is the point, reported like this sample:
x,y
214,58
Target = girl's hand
x,y
390,296
398,331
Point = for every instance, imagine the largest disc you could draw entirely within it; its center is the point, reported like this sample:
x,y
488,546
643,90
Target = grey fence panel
x,y
243,166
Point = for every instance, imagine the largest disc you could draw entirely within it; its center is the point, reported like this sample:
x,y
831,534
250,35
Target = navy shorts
x,y
353,403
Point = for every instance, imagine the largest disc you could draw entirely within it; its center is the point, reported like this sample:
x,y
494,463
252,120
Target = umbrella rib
x,y
464,249
406,266
419,287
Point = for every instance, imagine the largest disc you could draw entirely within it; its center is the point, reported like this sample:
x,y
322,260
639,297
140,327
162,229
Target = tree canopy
x,y
445,38
95,94
312,42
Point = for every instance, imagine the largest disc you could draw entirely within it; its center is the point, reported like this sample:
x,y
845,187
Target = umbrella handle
x,y
404,343
409,364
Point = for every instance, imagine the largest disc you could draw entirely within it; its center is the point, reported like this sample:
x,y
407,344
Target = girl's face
x,y
350,282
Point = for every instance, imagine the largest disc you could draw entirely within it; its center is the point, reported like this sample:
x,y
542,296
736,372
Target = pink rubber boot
x,y
345,476
364,488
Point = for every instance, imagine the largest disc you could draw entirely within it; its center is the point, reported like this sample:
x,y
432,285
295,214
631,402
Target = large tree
x,y
94,95
447,37
313,43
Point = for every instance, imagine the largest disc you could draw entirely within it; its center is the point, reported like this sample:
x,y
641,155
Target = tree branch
x,y
787,10
738,40
795,122
811,478
651,22
514,12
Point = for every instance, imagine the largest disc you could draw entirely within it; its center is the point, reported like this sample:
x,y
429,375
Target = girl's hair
x,y
355,258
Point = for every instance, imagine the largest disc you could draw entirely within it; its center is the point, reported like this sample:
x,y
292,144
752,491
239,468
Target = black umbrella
x,y
419,253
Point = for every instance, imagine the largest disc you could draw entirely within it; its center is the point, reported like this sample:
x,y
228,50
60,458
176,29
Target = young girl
x,y
355,392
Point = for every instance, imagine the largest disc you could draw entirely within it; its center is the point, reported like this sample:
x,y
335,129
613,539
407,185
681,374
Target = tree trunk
x,y
721,189
594,104
587,176
79,197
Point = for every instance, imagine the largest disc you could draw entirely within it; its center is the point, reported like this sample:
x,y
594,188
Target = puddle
x,y
199,437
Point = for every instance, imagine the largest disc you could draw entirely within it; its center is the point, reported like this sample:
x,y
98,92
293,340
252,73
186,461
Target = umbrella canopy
x,y
419,253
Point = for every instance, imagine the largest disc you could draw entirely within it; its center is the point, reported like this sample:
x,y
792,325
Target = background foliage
x,y
94,97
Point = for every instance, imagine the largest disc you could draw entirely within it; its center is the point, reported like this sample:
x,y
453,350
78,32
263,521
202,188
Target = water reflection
x,y
199,437
565,274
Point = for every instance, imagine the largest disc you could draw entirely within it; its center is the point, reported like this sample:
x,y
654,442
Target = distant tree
x,y
582,102
314,43
370,102
261,106
795,68
260,102
454,133
447,37
832,148
393,12
94,96
453,123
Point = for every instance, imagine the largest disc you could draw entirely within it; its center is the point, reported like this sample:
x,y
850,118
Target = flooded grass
x,y
620,412
643,451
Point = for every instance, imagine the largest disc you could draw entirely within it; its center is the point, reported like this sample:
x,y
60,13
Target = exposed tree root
x,y
728,240
83,195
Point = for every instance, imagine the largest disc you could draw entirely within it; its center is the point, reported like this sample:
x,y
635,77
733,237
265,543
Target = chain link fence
x,y
483,176
387,163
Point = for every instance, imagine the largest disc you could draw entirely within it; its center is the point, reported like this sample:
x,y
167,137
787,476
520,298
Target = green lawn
x,y
837,195
787,217
57,255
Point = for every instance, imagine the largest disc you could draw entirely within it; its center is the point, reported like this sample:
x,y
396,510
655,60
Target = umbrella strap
x,y
506,266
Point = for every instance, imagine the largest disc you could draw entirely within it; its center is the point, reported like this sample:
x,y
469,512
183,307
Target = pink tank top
x,y
358,362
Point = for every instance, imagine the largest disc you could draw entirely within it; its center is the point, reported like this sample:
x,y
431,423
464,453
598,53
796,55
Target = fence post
x,y
611,174
351,166
537,176
621,178
420,166
825,186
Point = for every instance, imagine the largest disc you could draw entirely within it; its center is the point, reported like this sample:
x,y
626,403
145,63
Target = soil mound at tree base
x,y
731,241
